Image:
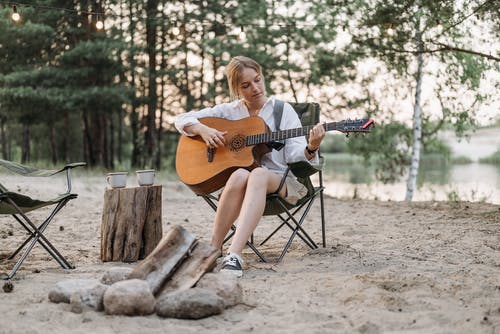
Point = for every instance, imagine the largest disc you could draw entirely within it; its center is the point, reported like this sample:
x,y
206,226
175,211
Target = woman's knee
x,y
258,175
238,179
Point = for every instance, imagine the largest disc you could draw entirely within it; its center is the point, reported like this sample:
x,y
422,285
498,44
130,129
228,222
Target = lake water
x,y
472,182
468,182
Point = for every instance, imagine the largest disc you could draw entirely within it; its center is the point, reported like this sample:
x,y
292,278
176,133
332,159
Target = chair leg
x,y
298,227
36,235
42,241
32,235
306,238
323,228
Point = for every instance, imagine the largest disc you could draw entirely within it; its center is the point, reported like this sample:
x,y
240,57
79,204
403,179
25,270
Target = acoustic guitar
x,y
206,170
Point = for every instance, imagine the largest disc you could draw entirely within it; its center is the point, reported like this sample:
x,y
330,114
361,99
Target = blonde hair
x,y
233,73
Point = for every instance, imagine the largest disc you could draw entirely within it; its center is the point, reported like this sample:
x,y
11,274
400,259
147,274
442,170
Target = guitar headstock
x,y
358,125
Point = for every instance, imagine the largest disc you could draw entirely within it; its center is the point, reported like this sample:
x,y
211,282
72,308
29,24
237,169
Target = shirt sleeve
x,y
294,147
192,117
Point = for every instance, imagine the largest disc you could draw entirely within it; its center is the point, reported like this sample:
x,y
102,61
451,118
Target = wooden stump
x,y
131,223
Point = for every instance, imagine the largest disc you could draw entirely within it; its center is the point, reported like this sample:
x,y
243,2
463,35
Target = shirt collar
x,y
271,99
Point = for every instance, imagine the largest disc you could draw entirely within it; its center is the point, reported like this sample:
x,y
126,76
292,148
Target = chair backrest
x,y
309,112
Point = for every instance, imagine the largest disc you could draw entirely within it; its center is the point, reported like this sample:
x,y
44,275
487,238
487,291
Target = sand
x,y
388,267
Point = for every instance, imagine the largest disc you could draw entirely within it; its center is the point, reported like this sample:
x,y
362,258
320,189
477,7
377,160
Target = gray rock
x,y
90,292
226,285
129,297
195,303
116,274
75,301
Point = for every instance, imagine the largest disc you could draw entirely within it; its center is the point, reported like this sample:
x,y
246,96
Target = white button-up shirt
x,y
275,161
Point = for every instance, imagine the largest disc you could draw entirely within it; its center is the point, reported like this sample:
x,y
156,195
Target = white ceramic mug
x,y
145,177
117,179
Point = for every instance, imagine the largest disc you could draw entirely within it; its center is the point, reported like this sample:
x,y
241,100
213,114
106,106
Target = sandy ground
x,y
388,267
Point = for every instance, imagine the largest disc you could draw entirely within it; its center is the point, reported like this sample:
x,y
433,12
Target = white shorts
x,y
294,189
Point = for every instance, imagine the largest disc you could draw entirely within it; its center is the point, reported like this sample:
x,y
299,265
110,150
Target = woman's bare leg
x,y
260,183
229,205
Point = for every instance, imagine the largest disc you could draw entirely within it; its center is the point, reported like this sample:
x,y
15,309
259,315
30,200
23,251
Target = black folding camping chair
x,y
18,205
291,215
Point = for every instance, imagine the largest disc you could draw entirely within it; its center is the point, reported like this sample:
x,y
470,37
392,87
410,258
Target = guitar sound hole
x,y
237,143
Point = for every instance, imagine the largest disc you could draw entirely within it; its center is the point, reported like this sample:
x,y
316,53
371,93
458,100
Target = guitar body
x,y
204,176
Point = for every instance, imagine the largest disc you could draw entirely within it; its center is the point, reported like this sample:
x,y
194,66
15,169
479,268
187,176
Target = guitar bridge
x,y
210,154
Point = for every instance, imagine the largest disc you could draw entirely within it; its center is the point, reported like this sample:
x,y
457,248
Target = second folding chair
x,y
18,205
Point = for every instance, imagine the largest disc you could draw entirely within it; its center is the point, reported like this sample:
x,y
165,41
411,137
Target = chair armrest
x,y
74,164
35,172
304,169
68,168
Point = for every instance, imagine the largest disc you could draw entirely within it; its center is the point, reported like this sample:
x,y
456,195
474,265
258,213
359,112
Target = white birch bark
x,y
417,121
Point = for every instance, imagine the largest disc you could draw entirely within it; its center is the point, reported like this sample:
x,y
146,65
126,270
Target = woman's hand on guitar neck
x,y
212,137
316,136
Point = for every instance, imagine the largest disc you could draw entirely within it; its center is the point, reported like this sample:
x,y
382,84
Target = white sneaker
x,y
232,263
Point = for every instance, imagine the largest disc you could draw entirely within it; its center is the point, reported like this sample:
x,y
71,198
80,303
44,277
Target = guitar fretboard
x,y
289,133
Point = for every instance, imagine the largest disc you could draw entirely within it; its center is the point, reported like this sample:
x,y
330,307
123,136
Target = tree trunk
x,y
288,74
97,139
111,139
134,117
25,146
186,90
87,148
417,120
123,80
53,144
103,134
163,66
151,39
65,139
3,136
119,145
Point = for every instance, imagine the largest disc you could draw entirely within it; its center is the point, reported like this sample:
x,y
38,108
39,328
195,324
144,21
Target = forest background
x,y
70,91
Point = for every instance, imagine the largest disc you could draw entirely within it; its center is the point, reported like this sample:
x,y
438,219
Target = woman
x,y
244,195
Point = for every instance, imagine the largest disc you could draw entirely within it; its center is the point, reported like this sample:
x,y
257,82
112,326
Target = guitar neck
x,y
267,137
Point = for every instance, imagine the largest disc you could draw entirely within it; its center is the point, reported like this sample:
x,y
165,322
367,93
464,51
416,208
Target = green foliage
x,y
334,144
461,160
492,159
434,145
56,68
337,67
470,69
387,150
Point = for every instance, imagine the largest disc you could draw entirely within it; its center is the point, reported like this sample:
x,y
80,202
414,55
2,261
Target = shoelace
x,y
231,262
